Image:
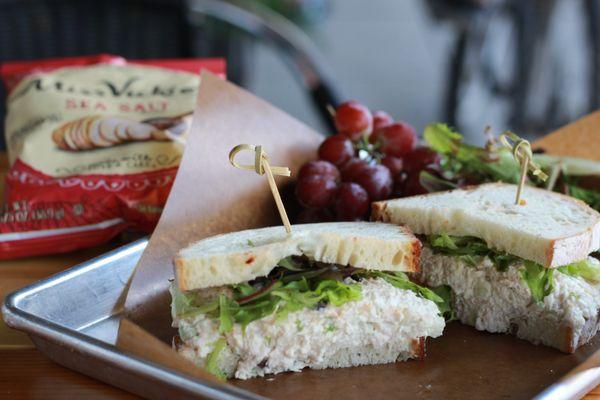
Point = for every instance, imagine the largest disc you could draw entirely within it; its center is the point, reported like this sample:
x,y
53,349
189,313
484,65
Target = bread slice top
x,y
242,256
550,228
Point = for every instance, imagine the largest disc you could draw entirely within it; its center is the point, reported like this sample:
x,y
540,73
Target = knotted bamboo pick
x,y
521,150
262,166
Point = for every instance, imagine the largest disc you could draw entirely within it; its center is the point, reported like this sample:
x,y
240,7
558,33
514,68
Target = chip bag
x,y
93,145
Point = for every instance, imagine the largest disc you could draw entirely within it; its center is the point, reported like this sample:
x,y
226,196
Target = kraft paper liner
x,y
209,197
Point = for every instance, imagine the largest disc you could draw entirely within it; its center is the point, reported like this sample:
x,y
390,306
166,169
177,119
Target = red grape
x,y
316,191
381,119
352,202
419,158
394,164
312,215
319,167
351,168
353,119
336,149
397,139
376,180
412,186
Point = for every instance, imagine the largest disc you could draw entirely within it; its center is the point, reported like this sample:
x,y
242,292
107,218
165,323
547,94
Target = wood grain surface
x,y
25,373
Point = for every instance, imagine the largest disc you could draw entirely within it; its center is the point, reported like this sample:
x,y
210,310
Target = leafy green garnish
x,y
445,293
243,289
539,279
469,248
289,264
432,183
181,303
226,306
588,196
278,298
462,162
487,165
212,365
585,269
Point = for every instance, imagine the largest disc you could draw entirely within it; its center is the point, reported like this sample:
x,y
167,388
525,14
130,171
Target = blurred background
x,y
525,65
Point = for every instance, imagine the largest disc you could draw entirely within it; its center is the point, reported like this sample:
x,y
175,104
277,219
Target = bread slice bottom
x,y
386,325
501,302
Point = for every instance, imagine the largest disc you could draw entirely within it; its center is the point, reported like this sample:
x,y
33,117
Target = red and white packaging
x,y
94,144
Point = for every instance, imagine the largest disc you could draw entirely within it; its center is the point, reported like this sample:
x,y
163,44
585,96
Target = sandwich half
x,y
328,295
521,269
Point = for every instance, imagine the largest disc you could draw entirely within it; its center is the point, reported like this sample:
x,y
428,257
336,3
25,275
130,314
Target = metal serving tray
x,y
73,318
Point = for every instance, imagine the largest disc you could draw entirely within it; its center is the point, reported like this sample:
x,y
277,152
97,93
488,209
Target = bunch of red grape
x,y
370,158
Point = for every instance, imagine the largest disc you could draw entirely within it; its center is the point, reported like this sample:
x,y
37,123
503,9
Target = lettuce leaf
x,y
487,165
469,249
445,307
585,269
539,279
588,196
279,299
212,365
226,308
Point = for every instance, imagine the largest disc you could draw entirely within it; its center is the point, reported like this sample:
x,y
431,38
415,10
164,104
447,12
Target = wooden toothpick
x,y
262,166
521,150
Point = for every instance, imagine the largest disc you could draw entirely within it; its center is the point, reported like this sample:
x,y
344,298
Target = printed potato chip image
x,y
94,132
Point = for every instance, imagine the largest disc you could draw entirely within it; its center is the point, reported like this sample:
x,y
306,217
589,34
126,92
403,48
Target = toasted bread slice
x,y
242,256
549,228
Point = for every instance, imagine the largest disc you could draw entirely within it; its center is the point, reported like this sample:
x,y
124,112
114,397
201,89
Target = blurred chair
x,y
142,29
508,65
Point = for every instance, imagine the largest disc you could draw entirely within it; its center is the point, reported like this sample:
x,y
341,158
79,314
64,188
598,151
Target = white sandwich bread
x,y
328,295
521,269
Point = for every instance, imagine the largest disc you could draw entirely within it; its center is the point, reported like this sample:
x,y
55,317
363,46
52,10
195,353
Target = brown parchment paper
x,y
210,197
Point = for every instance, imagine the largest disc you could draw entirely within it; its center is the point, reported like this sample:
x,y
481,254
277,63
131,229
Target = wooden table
x,y
26,373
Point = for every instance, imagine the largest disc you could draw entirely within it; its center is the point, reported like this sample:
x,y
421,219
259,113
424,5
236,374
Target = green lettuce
x,y
494,163
588,196
445,307
459,158
539,279
279,299
212,365
470,250
585,269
